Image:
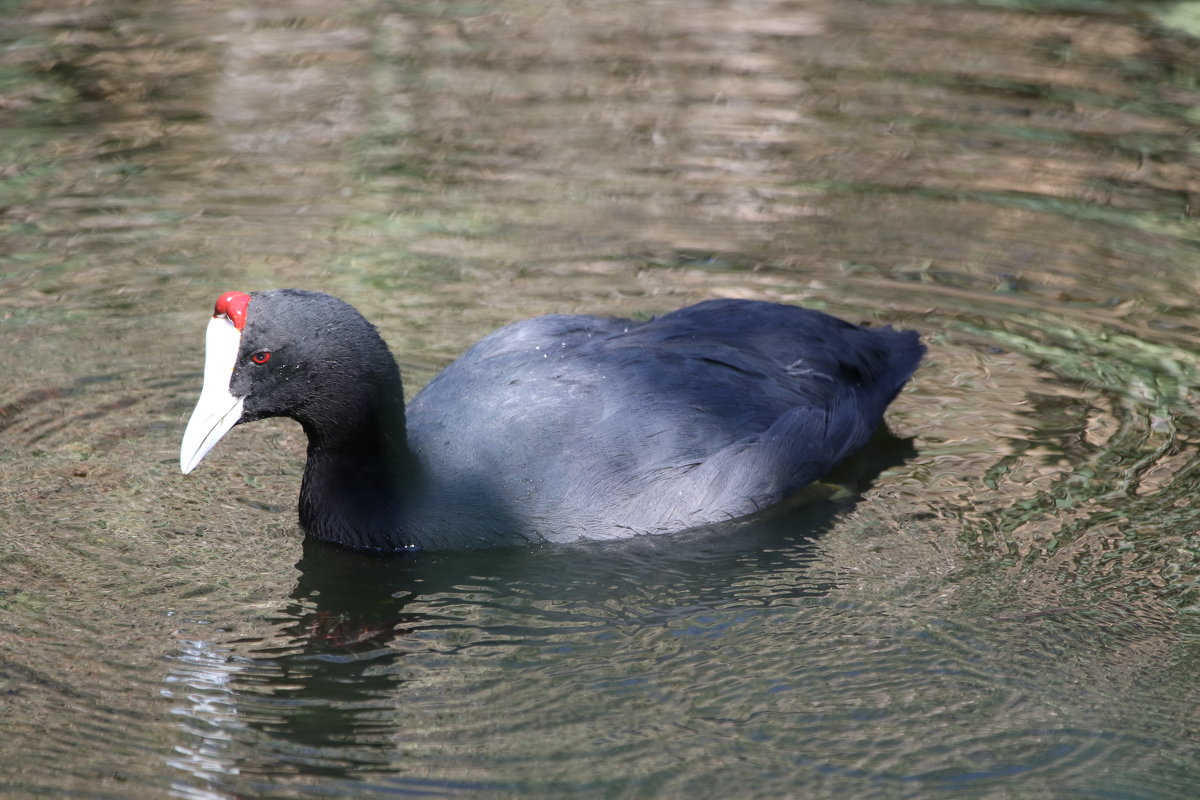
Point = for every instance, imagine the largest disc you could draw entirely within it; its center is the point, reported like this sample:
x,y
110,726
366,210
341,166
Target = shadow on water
x,y
326,692
351,597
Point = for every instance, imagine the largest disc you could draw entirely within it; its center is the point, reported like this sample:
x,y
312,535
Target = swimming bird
x,y
557,428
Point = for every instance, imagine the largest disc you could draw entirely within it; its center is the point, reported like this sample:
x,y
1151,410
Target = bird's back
x,y
590,427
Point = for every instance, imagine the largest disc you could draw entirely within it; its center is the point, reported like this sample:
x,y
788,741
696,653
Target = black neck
x,y
358,474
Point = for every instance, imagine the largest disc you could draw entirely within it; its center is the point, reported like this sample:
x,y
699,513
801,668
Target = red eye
x,y
261,357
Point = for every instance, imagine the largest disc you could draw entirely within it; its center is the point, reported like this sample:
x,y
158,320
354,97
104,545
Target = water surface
x,y
999,601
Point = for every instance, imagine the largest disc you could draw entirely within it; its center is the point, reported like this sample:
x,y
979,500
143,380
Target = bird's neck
x,y
357,477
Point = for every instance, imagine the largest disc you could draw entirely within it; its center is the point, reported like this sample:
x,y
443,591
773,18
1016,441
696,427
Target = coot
x,y
557,428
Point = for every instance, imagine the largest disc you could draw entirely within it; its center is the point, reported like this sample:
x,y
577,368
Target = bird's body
x,y
561,428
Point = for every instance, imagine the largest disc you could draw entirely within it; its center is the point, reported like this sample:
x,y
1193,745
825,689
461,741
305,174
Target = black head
x,y
297,354
310,357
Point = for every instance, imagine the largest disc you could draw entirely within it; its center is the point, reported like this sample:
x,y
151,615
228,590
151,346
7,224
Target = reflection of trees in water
x,y
1092,498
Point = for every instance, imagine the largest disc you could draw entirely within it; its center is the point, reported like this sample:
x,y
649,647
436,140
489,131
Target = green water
x,y
1006,608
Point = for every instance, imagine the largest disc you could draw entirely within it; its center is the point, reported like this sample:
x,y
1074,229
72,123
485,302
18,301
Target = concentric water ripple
x,y
996,602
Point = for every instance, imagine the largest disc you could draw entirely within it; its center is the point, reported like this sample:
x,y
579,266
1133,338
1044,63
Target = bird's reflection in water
x,y
332,691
